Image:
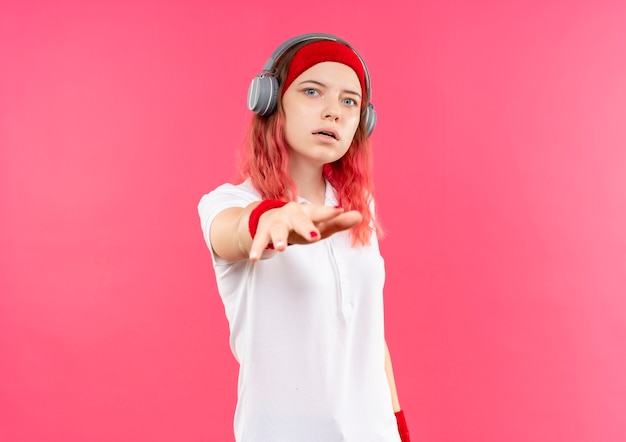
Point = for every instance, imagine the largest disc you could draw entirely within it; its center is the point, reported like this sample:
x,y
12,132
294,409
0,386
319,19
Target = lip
x,y
327,130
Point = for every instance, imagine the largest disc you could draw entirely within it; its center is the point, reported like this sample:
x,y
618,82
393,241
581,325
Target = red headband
x,y
320,51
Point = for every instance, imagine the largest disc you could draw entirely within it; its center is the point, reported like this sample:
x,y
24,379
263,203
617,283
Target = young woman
x,y
295,253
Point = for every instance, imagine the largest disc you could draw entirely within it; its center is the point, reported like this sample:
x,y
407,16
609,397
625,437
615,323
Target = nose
x,y
332,110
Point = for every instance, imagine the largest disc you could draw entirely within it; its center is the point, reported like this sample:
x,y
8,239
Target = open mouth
x,y
326,134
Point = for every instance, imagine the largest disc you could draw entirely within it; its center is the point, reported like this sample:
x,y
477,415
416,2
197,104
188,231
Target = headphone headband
x,y
279,51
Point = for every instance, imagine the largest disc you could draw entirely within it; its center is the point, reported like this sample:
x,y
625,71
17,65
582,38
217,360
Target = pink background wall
x,y
501,172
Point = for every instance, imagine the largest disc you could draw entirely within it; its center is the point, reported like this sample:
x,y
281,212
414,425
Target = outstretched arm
x,y
290,224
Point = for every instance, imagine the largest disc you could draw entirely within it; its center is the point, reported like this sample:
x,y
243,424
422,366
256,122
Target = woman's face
x,y
322,108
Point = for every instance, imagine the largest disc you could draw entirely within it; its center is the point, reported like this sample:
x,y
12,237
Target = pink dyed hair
x,y
265,161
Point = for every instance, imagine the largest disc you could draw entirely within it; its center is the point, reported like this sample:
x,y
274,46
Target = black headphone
x,y
263,91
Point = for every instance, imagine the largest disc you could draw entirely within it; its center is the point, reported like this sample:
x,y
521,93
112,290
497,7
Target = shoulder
x,y
223,197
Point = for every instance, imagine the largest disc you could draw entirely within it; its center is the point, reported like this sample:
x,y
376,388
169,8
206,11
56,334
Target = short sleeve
x,y
222,198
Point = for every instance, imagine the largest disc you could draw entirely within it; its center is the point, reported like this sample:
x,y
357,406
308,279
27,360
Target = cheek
x,y
292,129
354,124
291,122
295,117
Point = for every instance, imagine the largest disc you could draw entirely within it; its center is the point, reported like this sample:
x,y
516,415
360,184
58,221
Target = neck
x,y
310,184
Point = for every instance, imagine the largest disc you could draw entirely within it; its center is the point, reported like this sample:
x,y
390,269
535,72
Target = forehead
x,y
331,73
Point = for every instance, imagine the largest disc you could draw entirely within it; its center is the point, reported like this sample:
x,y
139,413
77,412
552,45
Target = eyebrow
x,y
319,83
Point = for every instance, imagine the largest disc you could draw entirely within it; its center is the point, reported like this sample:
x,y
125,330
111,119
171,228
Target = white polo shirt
x,y
306,327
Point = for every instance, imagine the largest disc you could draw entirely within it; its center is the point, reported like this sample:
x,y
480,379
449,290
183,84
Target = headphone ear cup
x,y
370,119
262,94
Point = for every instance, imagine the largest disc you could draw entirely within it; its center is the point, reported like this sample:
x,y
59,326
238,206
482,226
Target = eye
x,y
350,101
311,92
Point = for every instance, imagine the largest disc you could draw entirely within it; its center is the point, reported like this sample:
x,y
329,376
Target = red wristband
x,y
264,206
402,428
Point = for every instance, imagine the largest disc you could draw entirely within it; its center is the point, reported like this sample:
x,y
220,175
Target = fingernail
x,y
313,234
338,206
253,255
